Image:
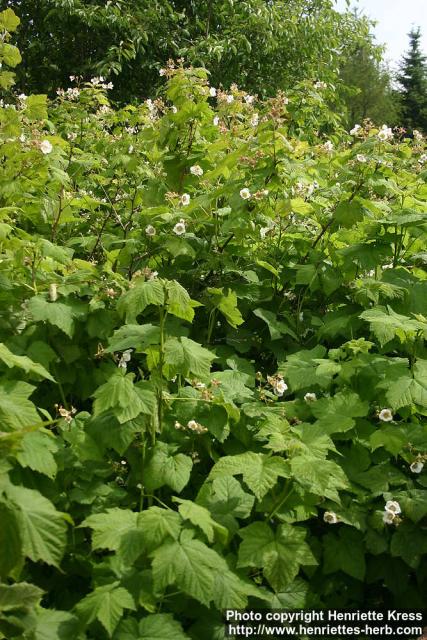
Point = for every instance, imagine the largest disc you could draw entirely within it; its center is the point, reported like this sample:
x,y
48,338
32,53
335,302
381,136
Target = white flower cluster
x,y
310,397
320,85
304,190
422,159
417,466
124,359
356,130
46,147
99,82
71,93
67,414
391,511
196,170
179,229
385,133
328,146
418,136
192,425
330,517
385,415
278,384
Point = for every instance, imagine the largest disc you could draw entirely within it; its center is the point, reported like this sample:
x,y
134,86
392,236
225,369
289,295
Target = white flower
x,y
196,170
192,425
417,134
385,415
125,358
254,119
417,466
355,130
216,121
422,159
320,85
53,292
330,517
72,78
185,199
263,232
179,228
162,72
130,148
230,98
280,387
22,138
249,99
150,230
212,92
392,506
174,109
45,147
361,158
388,517
328,146
245,193
385,133
310,397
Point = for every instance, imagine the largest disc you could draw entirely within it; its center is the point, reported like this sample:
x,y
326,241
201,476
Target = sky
x,y
395,18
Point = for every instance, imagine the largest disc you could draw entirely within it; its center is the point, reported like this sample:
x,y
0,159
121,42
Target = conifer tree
x,y
413,80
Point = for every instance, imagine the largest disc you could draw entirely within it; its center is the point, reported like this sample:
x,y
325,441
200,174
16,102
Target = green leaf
x,y
106,604
23,362
58,314
161,626
9,21
37,451
179,302
321,477
10,54
134,336
56,625
386,324
279,554
10,539
276,327
21,595
185,356
42,527
335,415
190,565
200,517
109,527
125,399
158,525
36,107
16,411
410,543
139,297
226,303
345,552
409,389
260,471
165,467
304,369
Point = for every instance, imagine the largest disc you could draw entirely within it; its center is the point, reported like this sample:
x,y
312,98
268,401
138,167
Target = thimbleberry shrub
x,y
213,373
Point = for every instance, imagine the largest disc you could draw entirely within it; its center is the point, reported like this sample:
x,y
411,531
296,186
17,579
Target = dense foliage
x,y
213,376
267,45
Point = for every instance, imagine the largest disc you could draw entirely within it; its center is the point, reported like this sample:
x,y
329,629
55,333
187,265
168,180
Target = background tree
x,y
263,45
367,88
413,80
